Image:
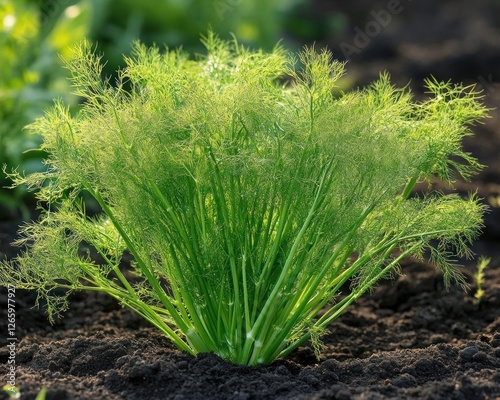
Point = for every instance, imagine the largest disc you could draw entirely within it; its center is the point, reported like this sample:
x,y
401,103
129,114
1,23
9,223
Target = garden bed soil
x,y
409,338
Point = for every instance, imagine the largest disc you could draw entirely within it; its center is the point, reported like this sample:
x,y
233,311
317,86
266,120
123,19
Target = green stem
x,y
144,268
340,307
257,330
301,301
409,187
235,327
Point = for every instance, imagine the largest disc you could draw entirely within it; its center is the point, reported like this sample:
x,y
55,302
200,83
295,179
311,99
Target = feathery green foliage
x,y
245,192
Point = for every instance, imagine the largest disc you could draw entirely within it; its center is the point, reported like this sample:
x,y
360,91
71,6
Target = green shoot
x,y
482,263
12,391
246,193
41,394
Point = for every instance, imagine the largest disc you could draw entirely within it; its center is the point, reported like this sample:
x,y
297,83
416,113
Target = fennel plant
x,y
245,192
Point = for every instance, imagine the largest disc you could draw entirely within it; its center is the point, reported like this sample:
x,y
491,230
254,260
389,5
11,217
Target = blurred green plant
x,y
177,23
31,77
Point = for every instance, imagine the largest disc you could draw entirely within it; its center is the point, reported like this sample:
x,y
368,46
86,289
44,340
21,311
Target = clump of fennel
x,y
246,193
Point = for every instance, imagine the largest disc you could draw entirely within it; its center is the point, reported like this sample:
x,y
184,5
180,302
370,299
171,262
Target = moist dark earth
x,y
408,339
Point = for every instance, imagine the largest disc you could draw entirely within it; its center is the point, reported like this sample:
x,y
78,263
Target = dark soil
x,y
409,339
